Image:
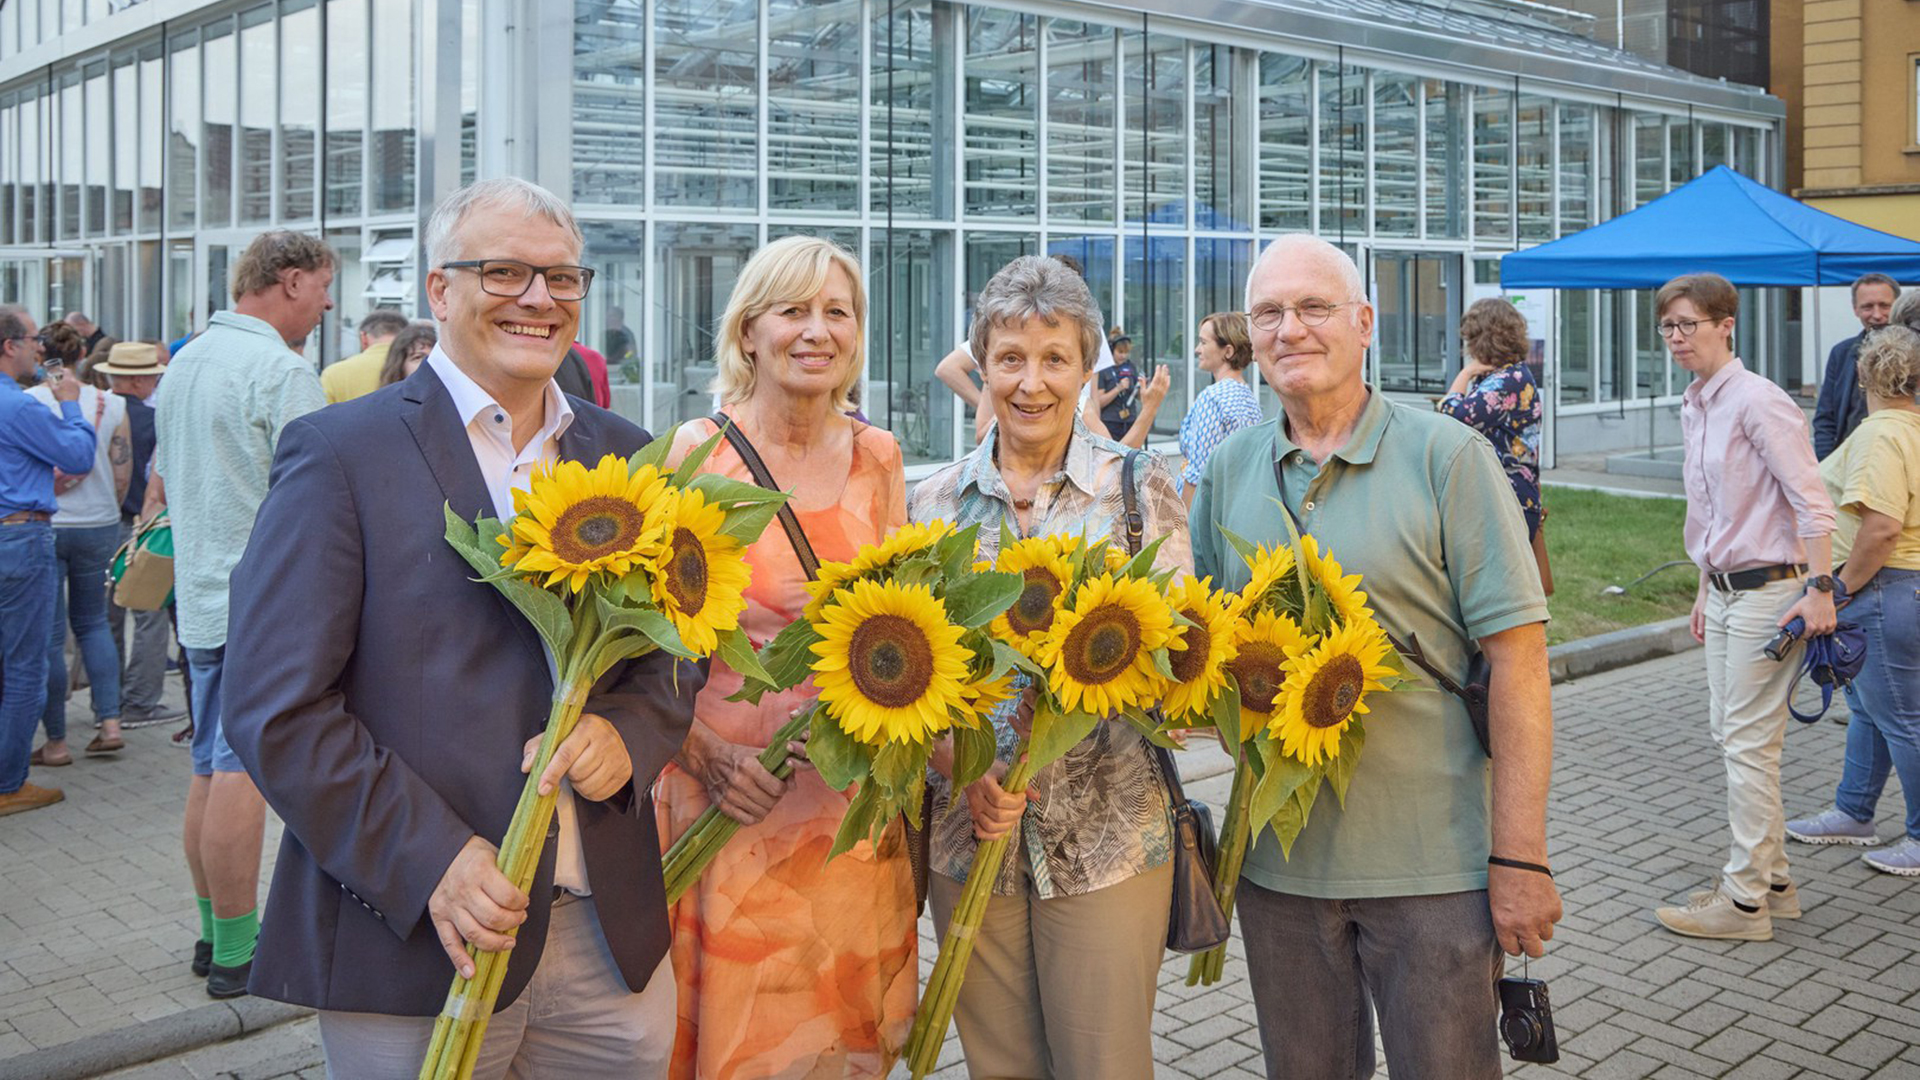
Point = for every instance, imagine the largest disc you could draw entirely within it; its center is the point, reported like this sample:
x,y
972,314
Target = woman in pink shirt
x,y
1757,518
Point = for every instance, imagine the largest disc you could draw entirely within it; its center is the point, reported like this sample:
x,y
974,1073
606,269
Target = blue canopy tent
x,y
1722,222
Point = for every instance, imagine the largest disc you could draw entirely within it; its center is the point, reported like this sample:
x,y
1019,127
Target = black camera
x,y
1526,1021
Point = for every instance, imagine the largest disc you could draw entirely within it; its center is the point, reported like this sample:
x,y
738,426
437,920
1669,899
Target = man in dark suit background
x,y
384,700
1842,404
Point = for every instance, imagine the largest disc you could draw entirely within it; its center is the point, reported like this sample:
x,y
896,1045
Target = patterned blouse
x,y
1504,405
1100,814
1220,410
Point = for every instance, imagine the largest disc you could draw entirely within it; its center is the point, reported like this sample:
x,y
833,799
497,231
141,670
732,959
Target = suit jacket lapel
x,y
577,444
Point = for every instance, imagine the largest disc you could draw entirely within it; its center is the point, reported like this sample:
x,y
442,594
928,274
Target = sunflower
x,y
1272,583
982,698
1263,645
1343,591
1098,654
1326,688
900,543
1199,661
1042,561
573,522
890,665
699,576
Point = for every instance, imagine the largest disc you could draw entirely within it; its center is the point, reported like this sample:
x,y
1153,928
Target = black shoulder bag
x,y
1195,923
1472,693
917,838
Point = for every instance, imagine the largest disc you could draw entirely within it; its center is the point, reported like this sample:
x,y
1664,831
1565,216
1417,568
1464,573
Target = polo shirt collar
x,y
251,324
470,401
1700,393
980,469
1360,447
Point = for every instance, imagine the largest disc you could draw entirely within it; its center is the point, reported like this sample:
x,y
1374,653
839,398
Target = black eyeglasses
x,y
1311,313
1686,327
512,278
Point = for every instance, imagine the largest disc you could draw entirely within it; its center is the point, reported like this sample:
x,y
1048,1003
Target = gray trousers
x,y
575,1021
144,659
1320,969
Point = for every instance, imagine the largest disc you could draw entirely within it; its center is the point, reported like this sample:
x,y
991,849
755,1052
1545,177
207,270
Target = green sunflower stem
x,y
1206,968
462,1024
930,1021
696,849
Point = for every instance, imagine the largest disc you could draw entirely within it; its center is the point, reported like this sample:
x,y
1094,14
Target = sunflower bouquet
x,y
897,642
1093,629
608,563
1302,653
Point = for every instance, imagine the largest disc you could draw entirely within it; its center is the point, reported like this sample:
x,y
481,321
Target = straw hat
x,y
131,358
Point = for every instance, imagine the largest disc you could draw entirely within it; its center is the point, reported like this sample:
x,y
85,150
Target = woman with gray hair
x,y
789,964
1906,311
1874,481
1082,899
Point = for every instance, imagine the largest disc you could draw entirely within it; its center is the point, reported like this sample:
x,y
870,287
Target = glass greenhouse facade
x,y
142,143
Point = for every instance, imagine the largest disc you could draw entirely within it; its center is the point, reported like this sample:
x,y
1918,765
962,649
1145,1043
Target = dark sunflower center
x,y
1102,645
1033,612
1333,692
1189,662
891,661
1257,669
687,573
596,527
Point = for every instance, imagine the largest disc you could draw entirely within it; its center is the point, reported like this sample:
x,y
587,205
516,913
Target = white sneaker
x,y
1713,915
1783,902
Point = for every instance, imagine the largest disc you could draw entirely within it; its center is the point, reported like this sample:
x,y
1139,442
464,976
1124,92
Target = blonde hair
x,y
1889,363
791,268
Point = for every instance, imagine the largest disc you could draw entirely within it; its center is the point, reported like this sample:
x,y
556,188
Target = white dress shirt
x,y
505,470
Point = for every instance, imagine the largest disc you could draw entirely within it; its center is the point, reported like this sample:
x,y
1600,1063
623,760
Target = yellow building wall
x,y
1896,214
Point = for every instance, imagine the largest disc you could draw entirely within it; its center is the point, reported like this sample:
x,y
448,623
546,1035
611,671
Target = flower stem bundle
x,y
690,855
608,564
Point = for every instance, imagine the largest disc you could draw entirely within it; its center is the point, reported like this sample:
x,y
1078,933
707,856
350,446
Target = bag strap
x,y
1808,662
809,563
1135,529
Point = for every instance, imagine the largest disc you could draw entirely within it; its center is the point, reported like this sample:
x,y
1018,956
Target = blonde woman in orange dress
x,y
788,965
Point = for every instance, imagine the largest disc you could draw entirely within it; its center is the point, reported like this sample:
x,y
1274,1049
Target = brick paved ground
x,y
1636,820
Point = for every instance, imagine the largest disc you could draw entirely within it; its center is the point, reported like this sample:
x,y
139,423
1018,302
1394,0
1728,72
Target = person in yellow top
x,y
1874,479
359,374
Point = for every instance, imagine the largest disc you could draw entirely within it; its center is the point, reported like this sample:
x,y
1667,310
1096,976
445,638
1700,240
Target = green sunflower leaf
x,y
787,659
956,550
1241,547
1141,565
654,453
1340,769
859,822
838,756
973,753
1007,539
737,650
1226,717
647,622
690,465
1148,728
1286,826
895,765
978,599
1055,733
1007,658
1282,778
480,547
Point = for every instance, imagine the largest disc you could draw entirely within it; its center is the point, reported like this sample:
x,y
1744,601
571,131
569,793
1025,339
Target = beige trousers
x,y
1747,713
575,1021
1063,987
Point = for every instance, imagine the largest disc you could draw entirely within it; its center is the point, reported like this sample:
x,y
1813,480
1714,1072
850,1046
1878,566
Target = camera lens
x,y
1520,1030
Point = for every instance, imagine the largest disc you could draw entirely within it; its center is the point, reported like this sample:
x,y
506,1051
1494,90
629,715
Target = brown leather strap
x,y
809,562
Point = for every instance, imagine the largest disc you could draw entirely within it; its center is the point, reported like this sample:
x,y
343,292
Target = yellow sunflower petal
x,y
574,523
1098,653
1043,562
1326,686
698,578
1199,661
889,665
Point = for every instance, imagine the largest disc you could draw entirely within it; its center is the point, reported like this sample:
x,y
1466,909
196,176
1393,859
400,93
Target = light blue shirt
x,y
217,418
33,443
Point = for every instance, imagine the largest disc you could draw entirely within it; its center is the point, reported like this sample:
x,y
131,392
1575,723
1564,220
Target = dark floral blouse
x,y
1504,405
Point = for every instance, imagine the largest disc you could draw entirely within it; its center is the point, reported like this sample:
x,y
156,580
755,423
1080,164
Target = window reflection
x,y
609,75
912,109
1081,171
299,105
909,328
1492,163
346,105
1286,123
216,127
1002,79
257,67
697,263
393,105
813,106
1396,154
704,81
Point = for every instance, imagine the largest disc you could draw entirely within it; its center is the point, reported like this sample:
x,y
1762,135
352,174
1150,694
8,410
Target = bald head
x,y
1306,248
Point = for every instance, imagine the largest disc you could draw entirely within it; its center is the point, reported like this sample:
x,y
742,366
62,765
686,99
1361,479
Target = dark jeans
x,y
26,611
1321,968
1884,734
82,555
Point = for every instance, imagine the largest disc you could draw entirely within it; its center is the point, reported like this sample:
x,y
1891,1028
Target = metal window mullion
x,y
1420,158
956,60
1513,167
864,148
760,118
1313,148
649,231
1367,146
1553,172
1042,203
1190,56
1469,167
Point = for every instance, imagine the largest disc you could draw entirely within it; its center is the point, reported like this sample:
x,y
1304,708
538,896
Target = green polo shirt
x,y
1416,502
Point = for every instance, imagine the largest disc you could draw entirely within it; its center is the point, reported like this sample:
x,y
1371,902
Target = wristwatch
x,y
1823,582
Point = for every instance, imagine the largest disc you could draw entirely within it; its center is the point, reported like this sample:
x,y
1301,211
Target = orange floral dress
x,y
788,965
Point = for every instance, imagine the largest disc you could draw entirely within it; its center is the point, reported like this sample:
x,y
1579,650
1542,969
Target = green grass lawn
x,y
1595,540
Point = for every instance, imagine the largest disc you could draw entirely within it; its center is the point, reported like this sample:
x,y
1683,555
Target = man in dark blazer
x,y
385,701
1842,404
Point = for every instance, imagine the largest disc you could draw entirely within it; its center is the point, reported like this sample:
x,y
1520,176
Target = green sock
x,y
205,904
233,938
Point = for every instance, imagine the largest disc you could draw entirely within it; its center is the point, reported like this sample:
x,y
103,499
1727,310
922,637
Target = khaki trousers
x,y
1747,713
1062,987
575,1021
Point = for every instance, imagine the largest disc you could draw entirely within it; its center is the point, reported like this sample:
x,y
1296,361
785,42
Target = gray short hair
x,y
1310,246
382,323
1035,286
1906,310
504,192
1889,363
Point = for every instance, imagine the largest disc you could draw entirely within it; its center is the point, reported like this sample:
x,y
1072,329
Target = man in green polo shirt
x,y
1403,899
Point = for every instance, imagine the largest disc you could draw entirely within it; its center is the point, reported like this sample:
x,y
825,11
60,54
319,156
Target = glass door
x,y
1416,329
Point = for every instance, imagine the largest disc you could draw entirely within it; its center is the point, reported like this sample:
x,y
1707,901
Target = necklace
x,y
1023,505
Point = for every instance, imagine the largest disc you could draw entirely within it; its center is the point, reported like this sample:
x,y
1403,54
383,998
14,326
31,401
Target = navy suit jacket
x,y
1841,404
380,698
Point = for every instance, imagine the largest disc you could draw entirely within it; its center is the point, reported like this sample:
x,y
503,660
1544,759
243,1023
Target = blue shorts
x,y
211,754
